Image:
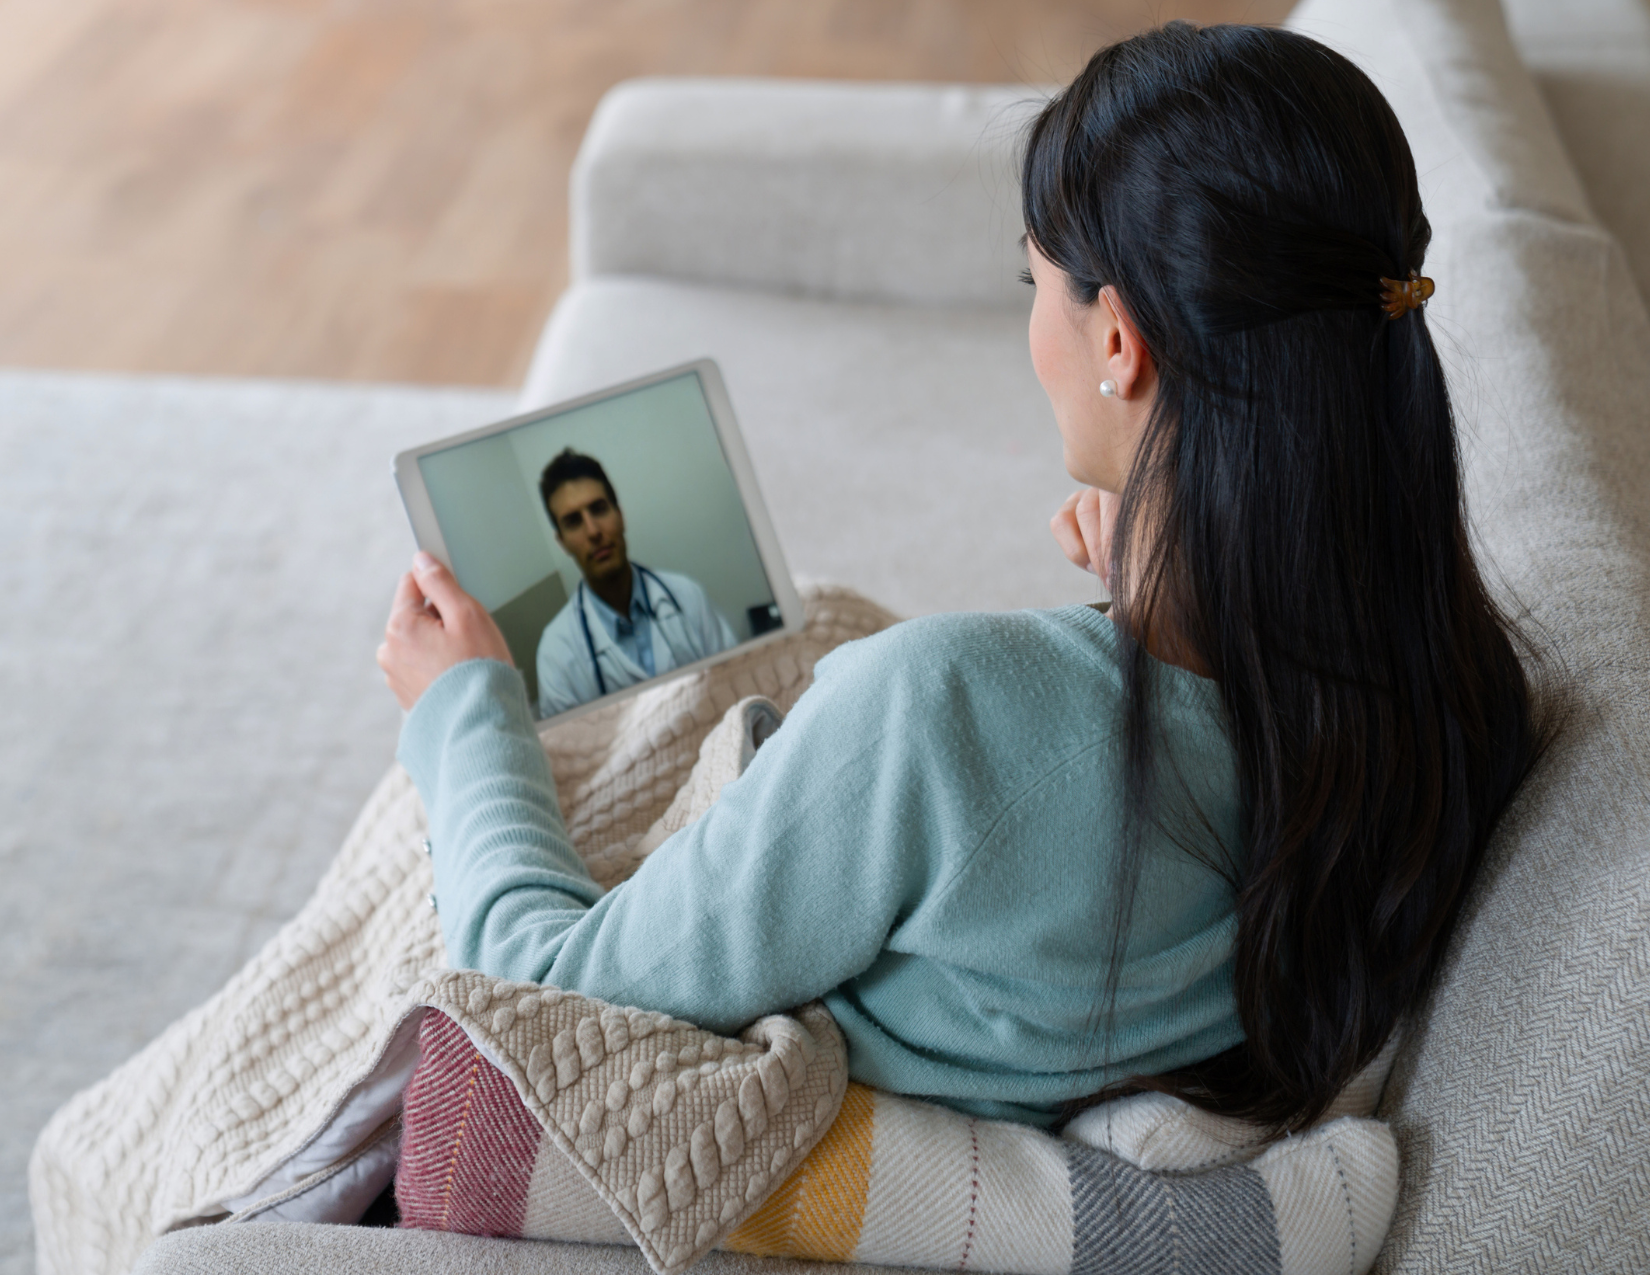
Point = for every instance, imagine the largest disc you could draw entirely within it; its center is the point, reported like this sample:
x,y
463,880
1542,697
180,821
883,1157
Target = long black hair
x,y
1294,515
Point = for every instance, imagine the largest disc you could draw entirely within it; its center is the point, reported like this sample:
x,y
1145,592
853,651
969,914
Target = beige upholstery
x,y
895,193
297,1248
1522,1100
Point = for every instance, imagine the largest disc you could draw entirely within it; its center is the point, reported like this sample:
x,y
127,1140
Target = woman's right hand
x,y
434,625
1083,526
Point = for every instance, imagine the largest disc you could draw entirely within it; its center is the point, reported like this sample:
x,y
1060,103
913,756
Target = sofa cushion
x,y
884,192
906,451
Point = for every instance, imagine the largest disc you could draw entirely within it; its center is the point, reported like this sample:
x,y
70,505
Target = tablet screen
x,y
609,539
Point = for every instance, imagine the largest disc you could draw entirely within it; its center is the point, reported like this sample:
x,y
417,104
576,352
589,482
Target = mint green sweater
x,y
927,843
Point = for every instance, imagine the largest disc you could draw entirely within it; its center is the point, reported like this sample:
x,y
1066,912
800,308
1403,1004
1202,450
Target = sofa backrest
x,y
1522,1096
910,194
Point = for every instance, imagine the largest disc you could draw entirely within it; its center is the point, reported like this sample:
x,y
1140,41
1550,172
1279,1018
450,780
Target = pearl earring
x,y
1108,389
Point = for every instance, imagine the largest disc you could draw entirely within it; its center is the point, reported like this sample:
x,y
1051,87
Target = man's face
x,y
590,527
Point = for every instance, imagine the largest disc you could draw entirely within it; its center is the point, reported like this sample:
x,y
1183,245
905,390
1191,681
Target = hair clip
x,y
1400,296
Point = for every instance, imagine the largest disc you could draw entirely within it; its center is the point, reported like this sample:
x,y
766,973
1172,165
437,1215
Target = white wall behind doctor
x,y
659,447
494,543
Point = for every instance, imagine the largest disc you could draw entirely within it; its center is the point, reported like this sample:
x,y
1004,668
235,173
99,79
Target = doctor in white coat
x,y
625,622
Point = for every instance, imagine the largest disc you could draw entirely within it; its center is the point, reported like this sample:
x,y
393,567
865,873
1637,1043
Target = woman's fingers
x,y
473,632
1068,534
438,584
408,602
1083,527
434,625
1095,514
1091,526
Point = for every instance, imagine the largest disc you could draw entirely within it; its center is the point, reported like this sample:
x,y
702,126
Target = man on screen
x,y
625,622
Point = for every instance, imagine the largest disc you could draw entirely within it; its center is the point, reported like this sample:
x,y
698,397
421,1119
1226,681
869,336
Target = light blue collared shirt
x,y
632,633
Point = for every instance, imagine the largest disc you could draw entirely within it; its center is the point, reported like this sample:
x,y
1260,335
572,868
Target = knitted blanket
x,y
279,1093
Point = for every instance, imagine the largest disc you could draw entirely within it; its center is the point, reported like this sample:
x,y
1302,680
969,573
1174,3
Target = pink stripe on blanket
x,y
468,1143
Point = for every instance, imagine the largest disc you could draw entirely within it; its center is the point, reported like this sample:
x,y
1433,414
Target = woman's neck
x,y
1164,640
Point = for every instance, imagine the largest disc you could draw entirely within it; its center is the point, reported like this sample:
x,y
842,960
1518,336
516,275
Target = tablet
x,y
618,539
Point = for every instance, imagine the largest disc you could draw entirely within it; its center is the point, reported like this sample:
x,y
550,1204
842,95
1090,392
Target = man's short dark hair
x,y
569,466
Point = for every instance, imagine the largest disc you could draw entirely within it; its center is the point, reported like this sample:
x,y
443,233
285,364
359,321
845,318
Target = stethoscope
x,y
642,574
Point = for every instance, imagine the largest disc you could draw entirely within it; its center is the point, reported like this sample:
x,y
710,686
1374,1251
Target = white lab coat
x,y
682,631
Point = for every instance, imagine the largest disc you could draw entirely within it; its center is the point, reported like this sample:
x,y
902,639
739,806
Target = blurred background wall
x,y
377,189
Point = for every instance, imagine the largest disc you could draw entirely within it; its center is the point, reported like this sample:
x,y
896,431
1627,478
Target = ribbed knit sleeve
x,y
507,882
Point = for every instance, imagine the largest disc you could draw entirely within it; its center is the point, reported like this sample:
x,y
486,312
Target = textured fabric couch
x,y
847,253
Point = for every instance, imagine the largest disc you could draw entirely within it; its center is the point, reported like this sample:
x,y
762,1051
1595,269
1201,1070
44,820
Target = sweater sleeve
x,y
507,882
787,888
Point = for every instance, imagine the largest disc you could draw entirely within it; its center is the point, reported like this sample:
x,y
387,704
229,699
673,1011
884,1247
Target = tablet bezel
x,y
415,498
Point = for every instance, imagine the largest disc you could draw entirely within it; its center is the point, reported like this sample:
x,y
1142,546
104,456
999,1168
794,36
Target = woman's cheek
x,y
1057,359
1047,356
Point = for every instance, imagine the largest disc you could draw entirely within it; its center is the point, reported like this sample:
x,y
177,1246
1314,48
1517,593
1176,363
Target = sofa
x,y
848,255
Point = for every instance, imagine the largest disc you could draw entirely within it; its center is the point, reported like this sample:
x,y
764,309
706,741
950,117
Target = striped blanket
x,y
904,1183
681,1142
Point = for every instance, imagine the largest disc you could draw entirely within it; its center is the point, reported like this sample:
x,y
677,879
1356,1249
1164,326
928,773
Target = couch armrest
x,y
905,193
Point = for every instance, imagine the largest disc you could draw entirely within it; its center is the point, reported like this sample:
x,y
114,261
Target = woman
x,y
1213,842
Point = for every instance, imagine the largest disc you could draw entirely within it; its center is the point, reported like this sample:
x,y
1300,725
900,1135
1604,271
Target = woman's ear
x,y
1123,354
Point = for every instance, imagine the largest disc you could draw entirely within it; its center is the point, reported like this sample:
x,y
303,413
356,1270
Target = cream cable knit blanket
x,y
282,1081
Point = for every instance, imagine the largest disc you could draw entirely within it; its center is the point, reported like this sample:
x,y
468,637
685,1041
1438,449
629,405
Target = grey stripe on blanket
x,y
1125,1220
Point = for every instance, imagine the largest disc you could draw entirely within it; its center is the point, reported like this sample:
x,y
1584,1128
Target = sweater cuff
x,y
430,723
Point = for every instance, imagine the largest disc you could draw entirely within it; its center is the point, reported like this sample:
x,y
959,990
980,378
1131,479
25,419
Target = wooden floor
x,y
377,188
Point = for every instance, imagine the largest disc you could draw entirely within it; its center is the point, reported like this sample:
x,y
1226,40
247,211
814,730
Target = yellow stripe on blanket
x,y
817,1211
956,1193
